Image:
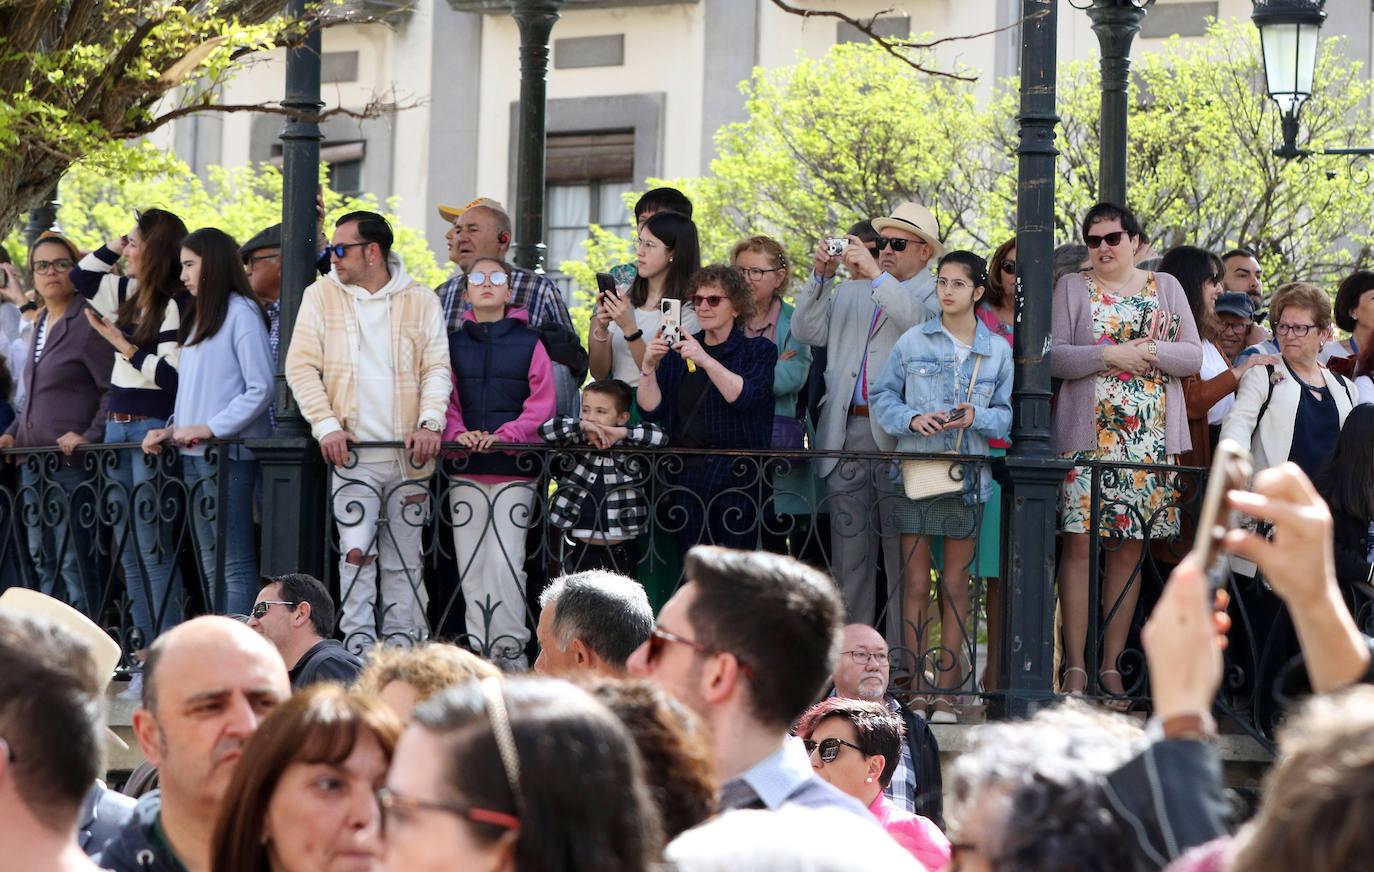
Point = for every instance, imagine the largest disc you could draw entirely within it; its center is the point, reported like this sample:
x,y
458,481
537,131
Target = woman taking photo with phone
x,y
626,318
226,374
140,315
946,388
1123,339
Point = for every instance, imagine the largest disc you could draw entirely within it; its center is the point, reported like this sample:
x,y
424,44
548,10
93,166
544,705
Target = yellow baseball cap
x,y
452,213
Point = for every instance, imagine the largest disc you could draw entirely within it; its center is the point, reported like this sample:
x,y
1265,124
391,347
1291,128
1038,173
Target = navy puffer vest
x,y
491,369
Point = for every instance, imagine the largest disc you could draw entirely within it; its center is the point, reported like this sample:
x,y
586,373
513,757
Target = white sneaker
x,y
133,692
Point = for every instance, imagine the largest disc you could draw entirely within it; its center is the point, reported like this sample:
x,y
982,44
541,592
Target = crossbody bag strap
x,y
972,380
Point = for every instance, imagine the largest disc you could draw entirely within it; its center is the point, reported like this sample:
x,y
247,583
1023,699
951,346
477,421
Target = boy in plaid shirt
x,y
600,504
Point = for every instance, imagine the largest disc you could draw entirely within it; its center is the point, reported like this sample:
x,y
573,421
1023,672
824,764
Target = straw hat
x,y
22,602
914,218
452,213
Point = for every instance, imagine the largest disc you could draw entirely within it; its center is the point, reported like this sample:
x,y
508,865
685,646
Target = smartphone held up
x,y
1231,470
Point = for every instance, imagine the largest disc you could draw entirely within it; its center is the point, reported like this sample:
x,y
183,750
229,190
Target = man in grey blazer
x,y
858,321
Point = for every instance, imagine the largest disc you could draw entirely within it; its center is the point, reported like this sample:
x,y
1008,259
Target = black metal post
x,y
42,219
535,19
1116,23
1031,474
293,474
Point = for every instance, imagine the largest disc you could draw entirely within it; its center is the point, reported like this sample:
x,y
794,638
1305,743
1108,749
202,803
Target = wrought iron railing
x,y
464,559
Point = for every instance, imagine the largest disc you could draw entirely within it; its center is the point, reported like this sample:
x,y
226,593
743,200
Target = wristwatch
x,y
430,425
1153,348
1185,725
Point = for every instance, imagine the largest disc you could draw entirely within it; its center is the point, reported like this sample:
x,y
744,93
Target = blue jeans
x,y
233,595
59,545
147,548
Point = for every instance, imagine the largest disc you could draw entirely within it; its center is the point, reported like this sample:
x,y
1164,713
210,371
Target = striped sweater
x,y
146,384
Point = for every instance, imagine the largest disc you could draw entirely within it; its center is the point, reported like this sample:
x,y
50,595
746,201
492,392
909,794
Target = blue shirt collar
x,y
777,776
982,336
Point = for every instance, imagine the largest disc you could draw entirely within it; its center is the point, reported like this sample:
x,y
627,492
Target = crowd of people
x,y
891,345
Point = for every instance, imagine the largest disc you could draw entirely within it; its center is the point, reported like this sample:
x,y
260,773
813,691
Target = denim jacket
x,y
921,376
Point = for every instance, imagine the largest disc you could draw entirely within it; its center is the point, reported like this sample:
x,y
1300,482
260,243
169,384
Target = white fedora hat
x,y
23,602
914,218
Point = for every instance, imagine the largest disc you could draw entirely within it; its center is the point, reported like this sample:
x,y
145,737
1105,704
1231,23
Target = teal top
x,y
789,376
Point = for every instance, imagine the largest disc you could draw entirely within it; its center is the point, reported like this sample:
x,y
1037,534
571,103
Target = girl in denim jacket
x,y
925,384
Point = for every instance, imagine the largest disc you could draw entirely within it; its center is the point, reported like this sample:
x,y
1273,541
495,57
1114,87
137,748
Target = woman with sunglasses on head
x,y
502,391
304,795
946,388
529,775
140,315
1122,340
855,746
1208,395
713,390
225,389
625,322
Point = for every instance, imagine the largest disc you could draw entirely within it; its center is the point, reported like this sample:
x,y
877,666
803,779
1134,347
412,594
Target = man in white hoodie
x,y
368,362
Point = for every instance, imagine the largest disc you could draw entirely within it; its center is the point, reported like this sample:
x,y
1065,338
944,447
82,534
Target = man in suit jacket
x,y
858,322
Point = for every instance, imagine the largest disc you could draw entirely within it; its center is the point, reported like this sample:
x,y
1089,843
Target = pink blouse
x,y
918,835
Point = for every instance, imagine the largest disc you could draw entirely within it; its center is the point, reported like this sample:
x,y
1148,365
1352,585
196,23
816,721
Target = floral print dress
x,y
1130,429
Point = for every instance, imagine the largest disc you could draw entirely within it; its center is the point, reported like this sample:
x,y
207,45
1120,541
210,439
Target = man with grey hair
x,y
591,621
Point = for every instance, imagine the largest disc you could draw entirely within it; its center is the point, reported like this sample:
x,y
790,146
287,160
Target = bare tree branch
x,y
374,109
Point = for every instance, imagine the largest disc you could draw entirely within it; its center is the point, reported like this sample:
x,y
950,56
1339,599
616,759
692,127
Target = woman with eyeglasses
x,y
529,775
855,745
226,374
1295,410
713,390
1123,340
66,376
304,794
140,315
1209,395
625,322
502,391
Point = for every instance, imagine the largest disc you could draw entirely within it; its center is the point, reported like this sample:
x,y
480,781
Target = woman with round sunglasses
x,y
304,795
1123,340
529,775
713,390
855,745
502,391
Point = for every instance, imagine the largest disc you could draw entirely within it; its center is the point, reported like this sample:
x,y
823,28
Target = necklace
x,y
1114,290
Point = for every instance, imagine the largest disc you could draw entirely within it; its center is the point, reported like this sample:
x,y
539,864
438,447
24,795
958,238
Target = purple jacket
x,y
1075,358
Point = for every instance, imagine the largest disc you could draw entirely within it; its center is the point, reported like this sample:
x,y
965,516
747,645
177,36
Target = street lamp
x,y
1290,37
1116,23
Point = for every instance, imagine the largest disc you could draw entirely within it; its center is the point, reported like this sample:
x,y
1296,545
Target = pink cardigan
x,y
921,838
1075,358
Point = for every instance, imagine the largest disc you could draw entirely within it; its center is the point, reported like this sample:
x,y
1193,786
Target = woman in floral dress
x,y
1123,339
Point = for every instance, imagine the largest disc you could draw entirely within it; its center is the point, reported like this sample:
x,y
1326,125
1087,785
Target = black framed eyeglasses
x,y
830,748
659,636
260,609
255,259
340,249
62,264
1112,239
1298,330
394,804
897,244
755,273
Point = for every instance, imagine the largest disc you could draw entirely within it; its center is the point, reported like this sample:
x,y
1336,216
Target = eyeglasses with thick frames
x,y
340,249
897,244
62,264
862,657
756,273
1298,330
1112,239
708,301
658,636
497,279
1240,328
830,748
393,803
260,609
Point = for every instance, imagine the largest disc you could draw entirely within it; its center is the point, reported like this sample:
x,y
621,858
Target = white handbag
x,y
923,479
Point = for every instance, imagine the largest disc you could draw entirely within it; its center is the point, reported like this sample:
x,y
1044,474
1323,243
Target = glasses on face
x,y
260,609
1009,267
1235,328
478,277
340,249
658,637
396,805
254,260
709,301
957,284
62,264
1112,239
1298,330
897,244
862,657
830,748
755,273
649,244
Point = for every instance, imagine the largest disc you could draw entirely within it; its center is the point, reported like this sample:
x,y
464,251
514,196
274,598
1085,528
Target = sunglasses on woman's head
x,y
897,244
710,301
830,748
1112,239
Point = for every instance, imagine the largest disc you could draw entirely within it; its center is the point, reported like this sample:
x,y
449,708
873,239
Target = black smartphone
x,y
605,284
1230,471
956,415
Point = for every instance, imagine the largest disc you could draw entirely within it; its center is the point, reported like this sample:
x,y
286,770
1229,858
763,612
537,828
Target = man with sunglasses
x,y
296,614
262,260
369,363
746,643
857,322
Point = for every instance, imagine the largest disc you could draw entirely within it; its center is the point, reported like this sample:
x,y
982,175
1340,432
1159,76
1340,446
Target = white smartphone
x,y
671,322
